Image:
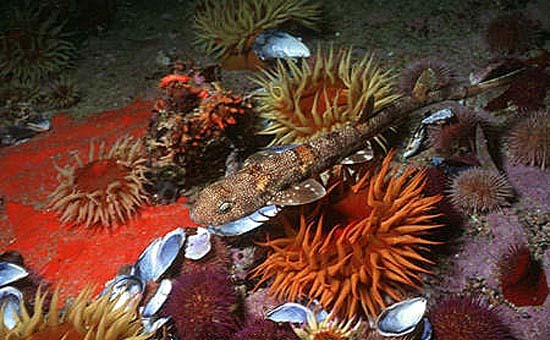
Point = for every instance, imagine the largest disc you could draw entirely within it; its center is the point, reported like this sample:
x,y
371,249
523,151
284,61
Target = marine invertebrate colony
x,y
106,190
467,318
202,305
358,250
99,319
226,29
480,190
193,130
529,140
304,101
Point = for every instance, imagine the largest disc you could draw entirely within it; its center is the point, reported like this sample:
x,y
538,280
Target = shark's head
x,y
225,201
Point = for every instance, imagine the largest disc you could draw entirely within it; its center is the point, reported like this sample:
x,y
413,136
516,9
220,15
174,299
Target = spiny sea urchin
x,y
480,190
358,250
510,33
303,101
98,319
203,304
265,329
423,76
467,318
529,140
522,278
458,136
106,190
227,28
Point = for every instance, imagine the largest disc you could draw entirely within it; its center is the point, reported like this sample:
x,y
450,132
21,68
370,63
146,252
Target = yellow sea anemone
x,y
303,101
83,319
106,190
330,329
227,28
355,252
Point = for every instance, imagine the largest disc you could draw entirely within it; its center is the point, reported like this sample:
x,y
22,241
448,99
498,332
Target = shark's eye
x,y
225,207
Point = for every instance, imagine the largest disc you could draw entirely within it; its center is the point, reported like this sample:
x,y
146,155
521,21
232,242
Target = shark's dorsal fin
x,y
368,111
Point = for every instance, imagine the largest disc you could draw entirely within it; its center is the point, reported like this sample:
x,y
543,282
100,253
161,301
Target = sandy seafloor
x,y
124,62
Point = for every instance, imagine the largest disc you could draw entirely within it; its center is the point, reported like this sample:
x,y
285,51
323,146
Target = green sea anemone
x,y
64,93
84,318
226,28
33,44
304,101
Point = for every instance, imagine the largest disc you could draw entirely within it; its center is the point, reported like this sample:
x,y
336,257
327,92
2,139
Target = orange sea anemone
x,y
354,253
106,190
84,318
303,101
227,28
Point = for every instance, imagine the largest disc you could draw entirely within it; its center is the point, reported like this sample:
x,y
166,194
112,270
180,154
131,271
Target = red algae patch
x,y
74,257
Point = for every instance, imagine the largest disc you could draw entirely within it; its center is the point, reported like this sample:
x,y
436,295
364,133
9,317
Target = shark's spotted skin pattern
x,y
261,181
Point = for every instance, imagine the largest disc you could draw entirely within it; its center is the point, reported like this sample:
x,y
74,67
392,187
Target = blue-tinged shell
x,y
198,245
159,255
290,312
275,44
401,318
10,272
124,288
10,300
246,223
158,299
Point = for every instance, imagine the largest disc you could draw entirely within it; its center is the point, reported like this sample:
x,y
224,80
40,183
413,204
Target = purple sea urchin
x,y
467,318
256,329
202,304
423,76
510,33
529,140
458,136
480,190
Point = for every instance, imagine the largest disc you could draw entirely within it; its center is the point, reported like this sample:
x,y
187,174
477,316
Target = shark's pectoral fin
x,y
308,191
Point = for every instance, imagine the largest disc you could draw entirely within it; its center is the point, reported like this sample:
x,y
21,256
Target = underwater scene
x,y
274,169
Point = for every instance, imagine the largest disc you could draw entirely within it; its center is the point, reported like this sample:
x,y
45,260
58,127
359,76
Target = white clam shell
x,y
401,318
198,245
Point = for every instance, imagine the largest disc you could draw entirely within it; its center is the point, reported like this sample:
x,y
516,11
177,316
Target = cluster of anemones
x,y
361,246
84,318
193,129
306,100
227,28
106,190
